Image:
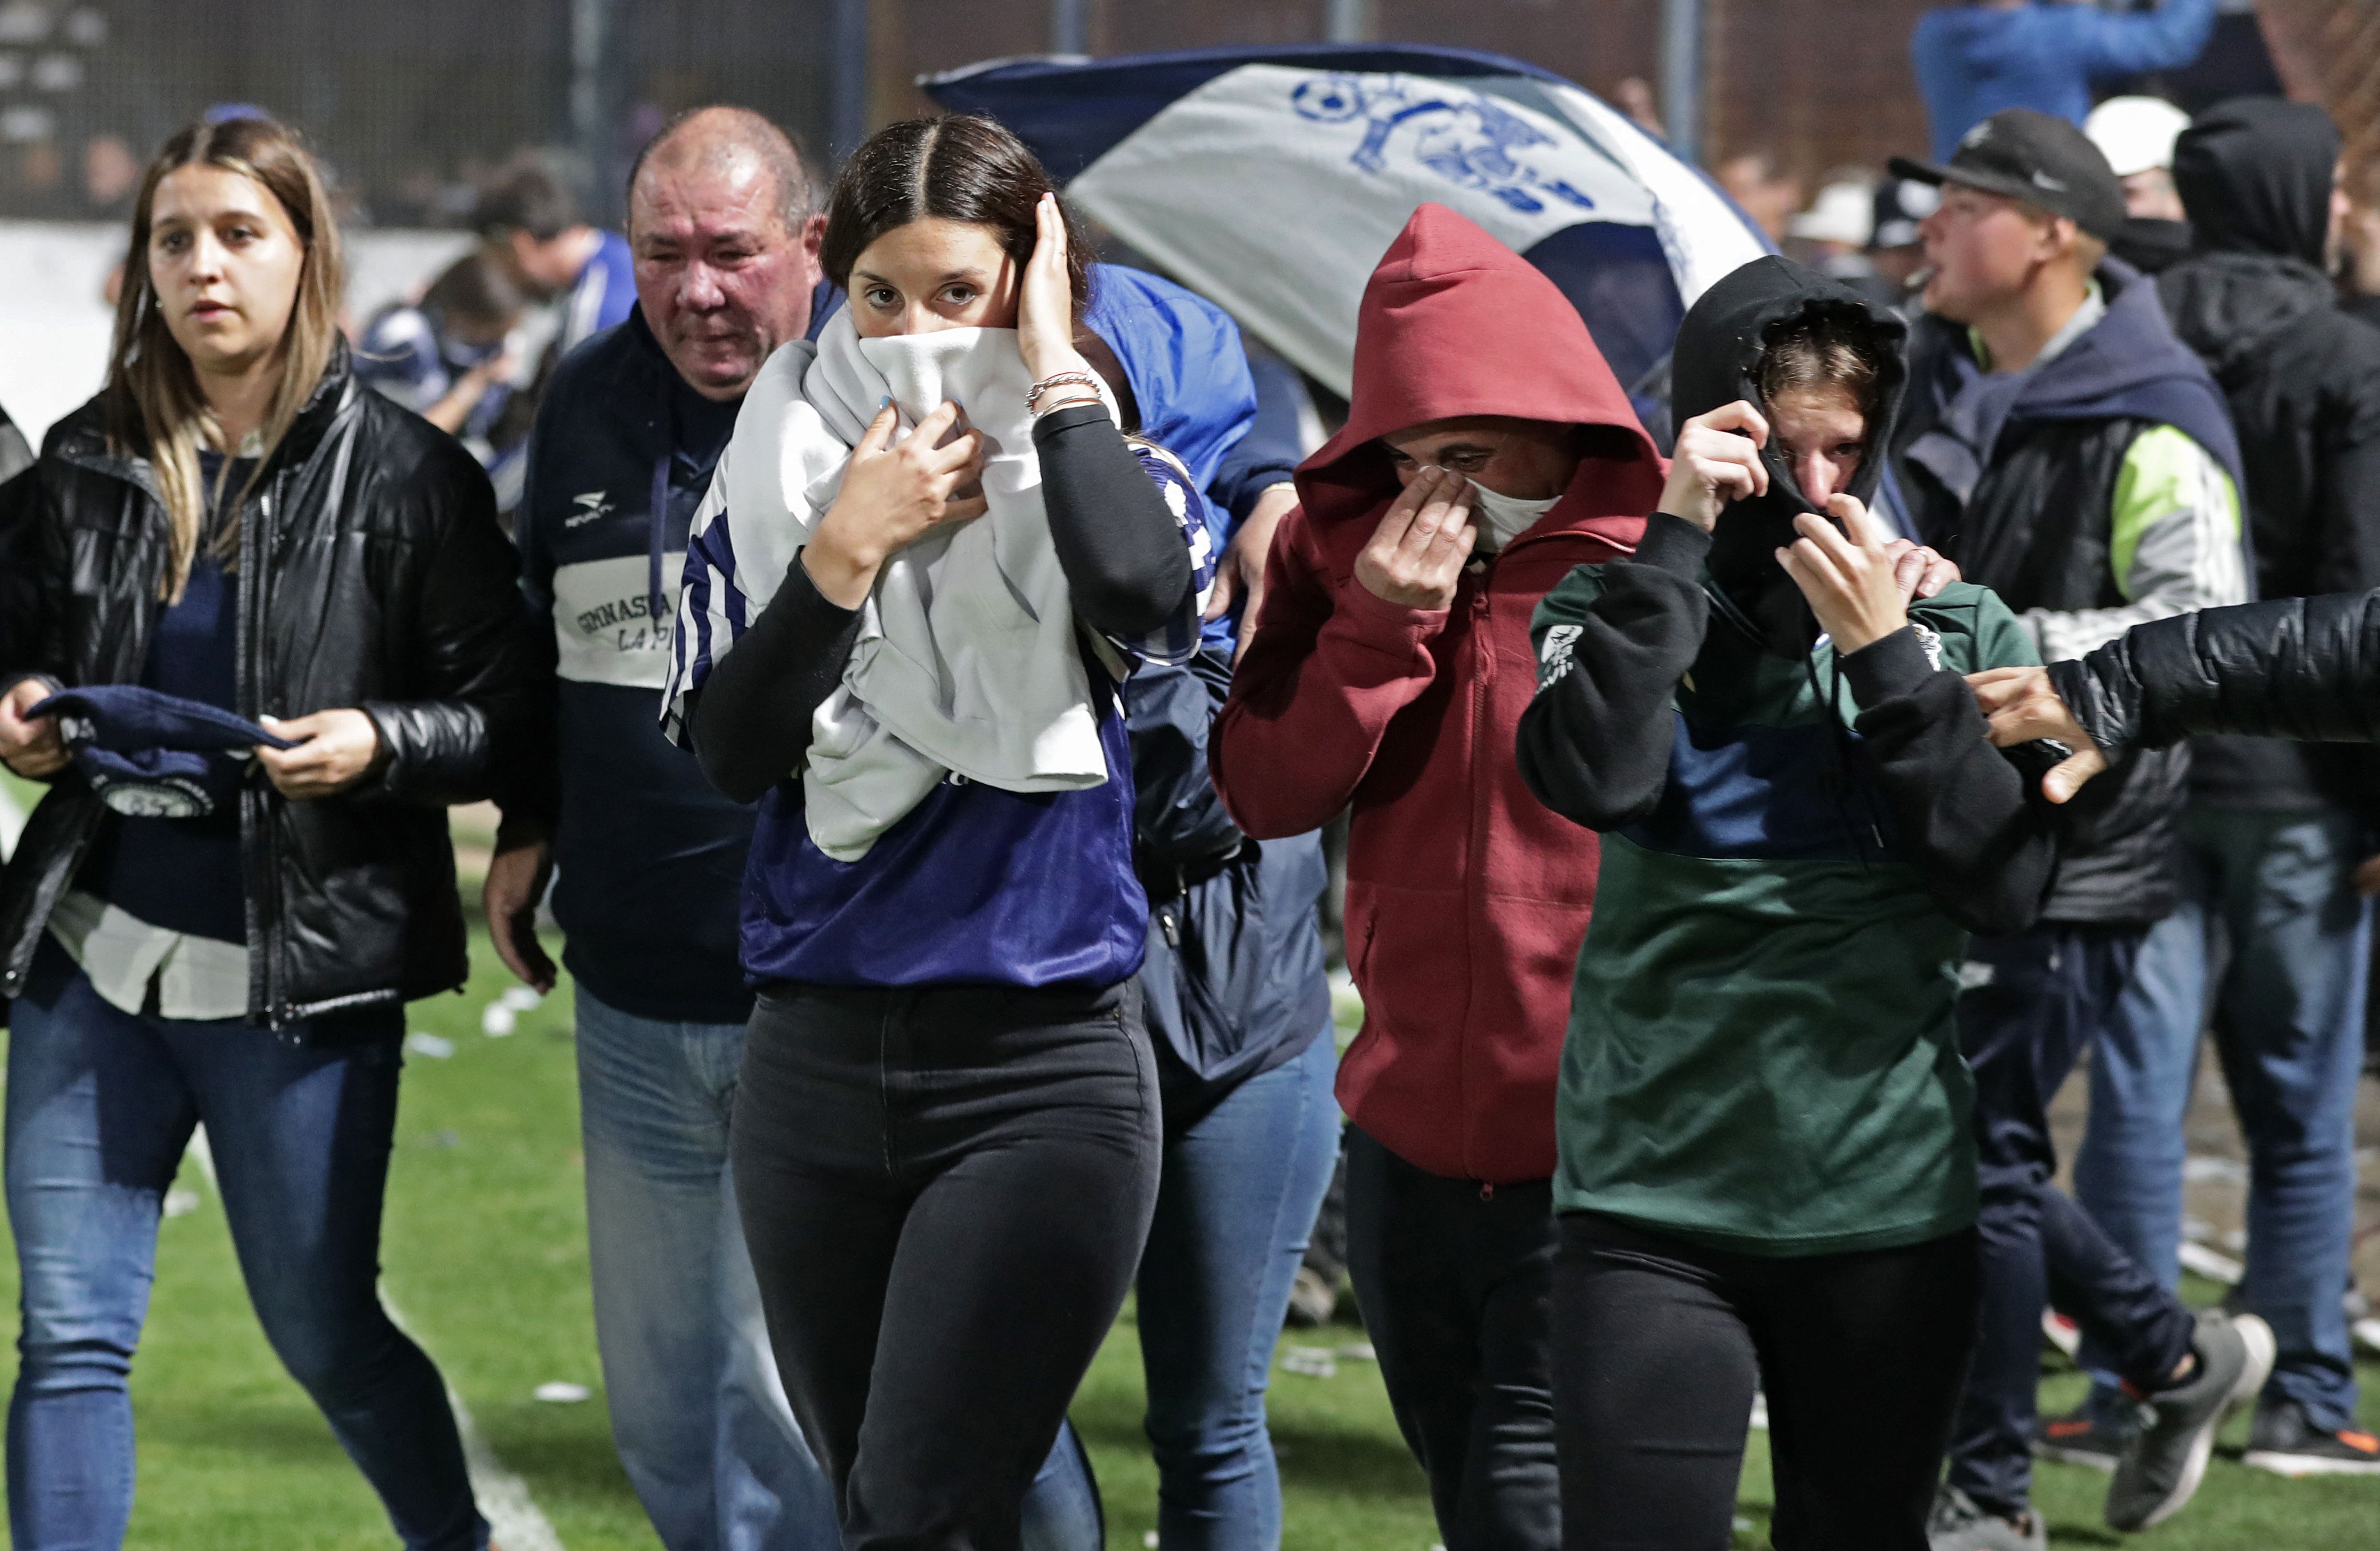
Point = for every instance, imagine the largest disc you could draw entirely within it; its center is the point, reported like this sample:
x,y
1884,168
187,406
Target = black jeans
x,y
945,1192
1455,1280
1663,1343
2049,994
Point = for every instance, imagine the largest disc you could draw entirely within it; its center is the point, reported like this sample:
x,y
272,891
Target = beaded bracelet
x,y
1033,395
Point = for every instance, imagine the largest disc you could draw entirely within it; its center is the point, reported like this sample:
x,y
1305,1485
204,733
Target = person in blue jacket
x,y
1974,59
1234,989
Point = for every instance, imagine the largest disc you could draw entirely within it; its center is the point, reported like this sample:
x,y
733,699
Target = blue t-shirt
x,y
184,875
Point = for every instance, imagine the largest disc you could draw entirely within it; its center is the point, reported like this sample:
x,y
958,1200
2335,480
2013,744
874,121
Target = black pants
x,y
1664,1342
2051,992
1455,1282
945,1193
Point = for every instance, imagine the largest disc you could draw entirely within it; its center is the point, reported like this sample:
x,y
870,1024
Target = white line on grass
x,y
513,1515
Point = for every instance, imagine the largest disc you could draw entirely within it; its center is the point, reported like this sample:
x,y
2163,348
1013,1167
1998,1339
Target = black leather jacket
x,y
372,574
2301,669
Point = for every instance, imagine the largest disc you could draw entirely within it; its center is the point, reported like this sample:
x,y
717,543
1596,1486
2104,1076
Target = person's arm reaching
x,y
1985,847
1331,668
2138,43
2301,669
1595,744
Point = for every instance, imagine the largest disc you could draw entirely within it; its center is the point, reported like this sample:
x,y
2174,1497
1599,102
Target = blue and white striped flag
x,y
1272,180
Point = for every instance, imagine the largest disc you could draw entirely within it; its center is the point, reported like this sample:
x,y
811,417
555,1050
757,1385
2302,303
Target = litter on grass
x,y
181,1201
498,1021
561,1392
2210,1265
520,999
1313,1362
421,1043
1361,1351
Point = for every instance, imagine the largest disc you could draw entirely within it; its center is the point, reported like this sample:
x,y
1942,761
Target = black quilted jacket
x,y
2302,668
372,574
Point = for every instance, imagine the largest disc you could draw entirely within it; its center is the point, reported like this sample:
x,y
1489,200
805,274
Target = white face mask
x,y
1504,518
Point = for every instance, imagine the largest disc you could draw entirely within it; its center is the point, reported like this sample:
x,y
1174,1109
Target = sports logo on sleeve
x,y
1553,657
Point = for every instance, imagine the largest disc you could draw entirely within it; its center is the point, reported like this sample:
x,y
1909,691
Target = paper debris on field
x,y
561,1392
2367,1331
1313,1362
497,1020
181,1201
2202,1168
420,1043
2209,1264
1359,1351
520,999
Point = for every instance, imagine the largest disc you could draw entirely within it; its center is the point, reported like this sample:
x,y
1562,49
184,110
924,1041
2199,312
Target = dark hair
x,y
958,167
475,291
775,147
527,197
1827,349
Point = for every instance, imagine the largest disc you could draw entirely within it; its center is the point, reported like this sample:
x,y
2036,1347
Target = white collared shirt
x,y
197,978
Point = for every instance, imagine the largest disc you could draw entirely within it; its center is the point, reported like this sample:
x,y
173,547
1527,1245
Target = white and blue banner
x,y
1271,180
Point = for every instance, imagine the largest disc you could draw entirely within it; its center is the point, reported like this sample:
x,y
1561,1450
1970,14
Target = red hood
x,y
1454,323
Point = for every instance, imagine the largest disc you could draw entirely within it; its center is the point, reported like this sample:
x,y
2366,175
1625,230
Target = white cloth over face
x,y
968,659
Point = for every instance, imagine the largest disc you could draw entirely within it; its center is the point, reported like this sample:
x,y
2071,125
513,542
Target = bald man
x,y
651,859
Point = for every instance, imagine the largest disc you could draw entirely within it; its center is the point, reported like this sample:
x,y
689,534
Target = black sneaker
x,y
2094,1434
2285,1444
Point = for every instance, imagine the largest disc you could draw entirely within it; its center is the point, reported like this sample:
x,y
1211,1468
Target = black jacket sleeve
x,y
475,719
1594,743
2301,669
1972,822
750,721
1117,540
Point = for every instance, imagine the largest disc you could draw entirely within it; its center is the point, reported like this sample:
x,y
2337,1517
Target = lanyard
x,y
655,599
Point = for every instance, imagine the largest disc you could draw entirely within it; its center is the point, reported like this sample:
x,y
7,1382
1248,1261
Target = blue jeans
x,y
698,1413
1237,1198
101,1105
2289,1032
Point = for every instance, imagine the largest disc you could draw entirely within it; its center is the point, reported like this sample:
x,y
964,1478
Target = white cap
x,y
1842,213
2135,133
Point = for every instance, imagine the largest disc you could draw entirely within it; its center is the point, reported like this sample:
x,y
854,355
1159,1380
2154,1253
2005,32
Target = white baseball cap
x,y
2135,133
1842,213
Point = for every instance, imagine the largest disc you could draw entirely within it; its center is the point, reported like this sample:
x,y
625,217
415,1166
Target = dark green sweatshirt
x,y
1761,1053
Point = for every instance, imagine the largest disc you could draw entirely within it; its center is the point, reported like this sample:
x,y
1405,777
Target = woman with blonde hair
x,y
262,629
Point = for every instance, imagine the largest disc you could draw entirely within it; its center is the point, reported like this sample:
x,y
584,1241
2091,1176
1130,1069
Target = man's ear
x,y
814,234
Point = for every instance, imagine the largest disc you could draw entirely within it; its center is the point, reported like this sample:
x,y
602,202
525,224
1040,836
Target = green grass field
x,y
485,1257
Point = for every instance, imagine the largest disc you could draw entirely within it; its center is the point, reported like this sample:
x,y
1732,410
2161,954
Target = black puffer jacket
x,y
2304,383
2302,668
372,575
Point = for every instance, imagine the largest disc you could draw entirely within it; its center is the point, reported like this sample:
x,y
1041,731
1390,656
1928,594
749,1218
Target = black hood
x,y
2255,176
1719,348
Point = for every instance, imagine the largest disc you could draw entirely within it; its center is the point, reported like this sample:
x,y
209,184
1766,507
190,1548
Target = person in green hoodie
x,y
1766,1165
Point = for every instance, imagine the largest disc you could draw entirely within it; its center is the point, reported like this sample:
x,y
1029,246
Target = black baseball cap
x,y
2036,157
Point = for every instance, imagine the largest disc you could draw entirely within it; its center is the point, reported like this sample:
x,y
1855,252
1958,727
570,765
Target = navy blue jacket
x,y
1233,982
649,859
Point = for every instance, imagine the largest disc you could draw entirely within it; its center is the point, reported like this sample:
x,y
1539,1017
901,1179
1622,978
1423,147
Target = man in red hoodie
x,y
1487,450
